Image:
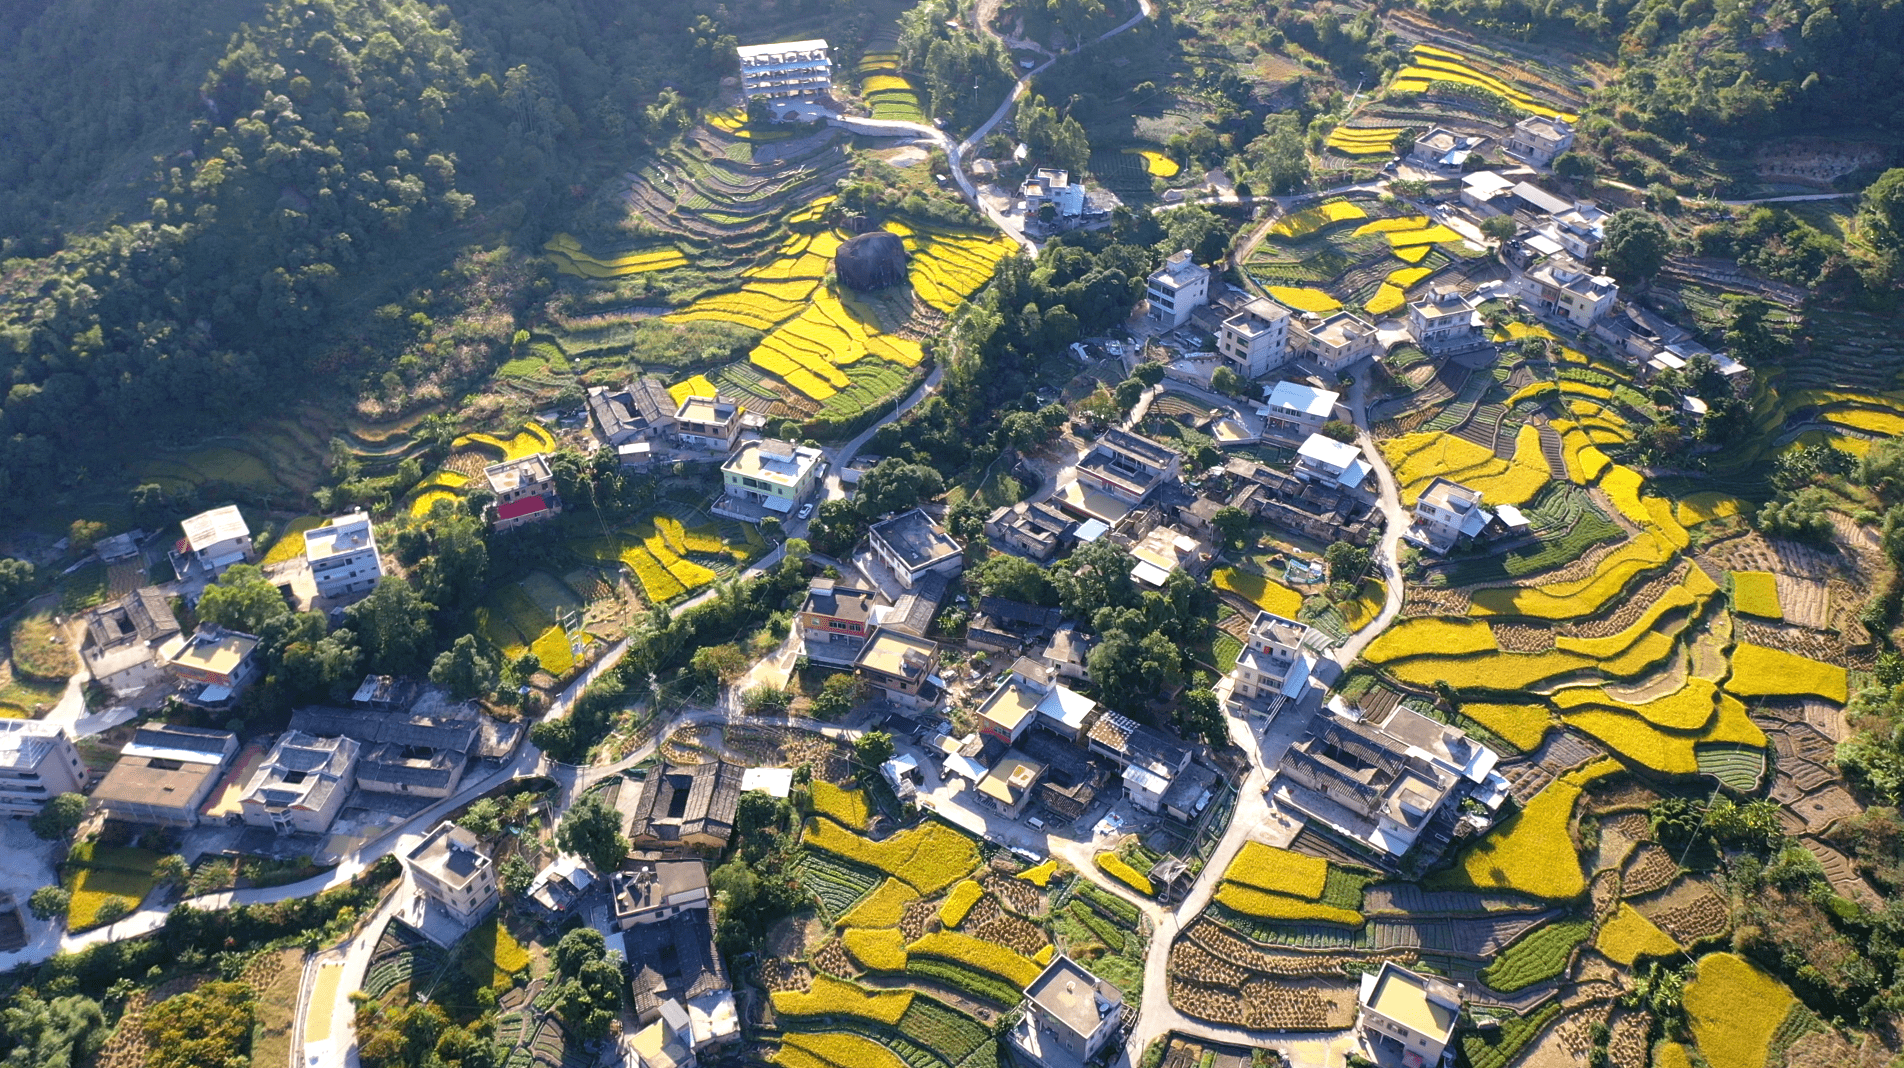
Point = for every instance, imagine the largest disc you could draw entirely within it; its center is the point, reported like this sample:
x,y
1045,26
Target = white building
x,y
1255,340
1176,288
1070,1015
774,475
1274,666
1053,187
788,70
1559,286
1538,139
1487,193
218,539
37,762
343,556
1406,1017
1445,513
452,871
1324,459
912,546
1337,341
1581,229
1442,320
1295,410
1439,148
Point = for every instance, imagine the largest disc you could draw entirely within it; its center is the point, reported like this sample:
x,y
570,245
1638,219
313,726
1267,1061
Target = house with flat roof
x,y
687,805
1336,341
1443,149
1296,410
1034,529
903,666
708,423
1069,1016
165,774
1406,1018
1324,459
1128,466
220,662
1581,229
558,886
1008,787
454,872
1176,289
1562,287
912,545
123,639
770,475
650,887
343,556
37,761
302,783
1066,655
1054,187
1487,192
785,70
1444,320
640,411
1274,667
835,622
525,492
1255,339
1445,514
1538,139
214,540
1163,550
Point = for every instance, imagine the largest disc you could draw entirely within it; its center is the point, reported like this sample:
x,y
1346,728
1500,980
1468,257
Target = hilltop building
x,y
787,70
912,545
214,541
1538,139
774,476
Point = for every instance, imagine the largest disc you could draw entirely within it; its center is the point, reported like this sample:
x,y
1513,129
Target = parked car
x,y
806,509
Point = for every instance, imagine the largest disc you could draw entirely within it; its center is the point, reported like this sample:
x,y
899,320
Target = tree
x,y
61,1033
1883,210
1279,159
483,818
209,1027
1225,381
894,485
1012,577
516,875
392,625
592,831
1200,715
1346,561
719,663
872,749
171,870
589,993
1404,141
766,700
59,817
838,696
1232,522
1499,227
85,533
50,901
836,527
1150,372
464,669
16,578
243,600
1340,431
1636,246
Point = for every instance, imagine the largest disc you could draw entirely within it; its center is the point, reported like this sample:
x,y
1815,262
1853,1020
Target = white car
x,y
806,510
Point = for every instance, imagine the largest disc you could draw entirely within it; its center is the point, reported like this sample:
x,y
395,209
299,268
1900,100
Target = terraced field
x,y
1358,253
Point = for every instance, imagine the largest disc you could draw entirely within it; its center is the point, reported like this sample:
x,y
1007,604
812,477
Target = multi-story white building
x,y
1070,1016
1274,666
1445,513
1255,341
1128,466
37,762
217,539
1561,287
1294,410
1326,460
788,70
1176,289
343,556
1581,229
525,491
770,474
452,870
1444,319
1053,187
1538,139
1336,342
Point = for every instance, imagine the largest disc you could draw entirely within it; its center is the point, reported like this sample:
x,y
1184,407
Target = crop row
x,y
930,857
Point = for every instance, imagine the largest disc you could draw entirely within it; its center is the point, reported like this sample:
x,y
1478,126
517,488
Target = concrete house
x,y
1255,340
708,423
1069,1017
1053,187
37,761
1445,513
835,622
903,666
1274,666
343,556
123,640
220,662
1295,410
301,786
1008,787
774,476
1561,287
1406,1017
1176,289
216,540
913,545
687,805
1128,466
1443,149
1326,460
454,873
650,888
164,774
785,70
1036,530
525,492
1337,341
1443,321
1539,139
1151,759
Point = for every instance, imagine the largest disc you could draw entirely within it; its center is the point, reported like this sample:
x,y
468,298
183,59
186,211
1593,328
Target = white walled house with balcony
x,y
1176,289
454,873
711,423
38,761
525,492
1274,667
343,556
1255,340
1443,320
1295,410
1406,1018
787,70
214,541
1539,139
912,545
1070,1016
1445,514
1337,341
767,478
1561,287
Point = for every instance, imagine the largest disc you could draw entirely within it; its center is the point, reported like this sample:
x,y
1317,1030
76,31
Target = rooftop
x,y
779,462
678,800
512,475
1329,452
1426,1006
1485,184
1450,496
708,410
1011,778
211,649
898,654
195,744
345,534
1256,316
149,780
826,598
450,853
142,615
1540,198
916,539
1074,997
649,880
207,529
26,742
1011,703
301,772
779,48
1177,271
1341,329
1137,447
1303,398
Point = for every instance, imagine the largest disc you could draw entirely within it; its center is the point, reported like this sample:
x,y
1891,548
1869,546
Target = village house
x,y
1053,187
1274,667
1324,459
650,887
1069,1016
1323,510
422,751
767,476
687,805
38,761
640,411
1443,149
835,622
123,639
214,541
1539,139
711,423
1336,341
1559,286
1010,785
164,774
219,662
525,492
301,785
680,994
1176,289
903,667
1128,467
785,70
343,556
1406,1018
1487,193
558,886
1255,340
1150,760
1001,623
454,872
1449,514
1444,321
1033,529
912,545
1165,549
1295,410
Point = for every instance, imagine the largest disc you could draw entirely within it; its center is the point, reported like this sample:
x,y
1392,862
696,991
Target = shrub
x,y
1113,865
959,902
1280,871
837,997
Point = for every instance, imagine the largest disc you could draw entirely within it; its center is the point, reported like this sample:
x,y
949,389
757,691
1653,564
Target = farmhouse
x,y
525,492
302,784
1580,229
1324,459
1560,286
1002,623
1439,148
214,541
835,621
37,761
912,545
1255,340
558,886
343,556
1444,321
680,991
1404,1017
1487,193
164,774
1150,759
690,805
1127,466
1322,509
1445,514
1065,655
1010,784
903,666
1336,341
1036,530
650,888
123,638
1295,410
454,873
640,411
1163,550
1274,667
1539,139
708,423
1053,187
787,70
1176,289
422,752
774,476
218,661
1069,1017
